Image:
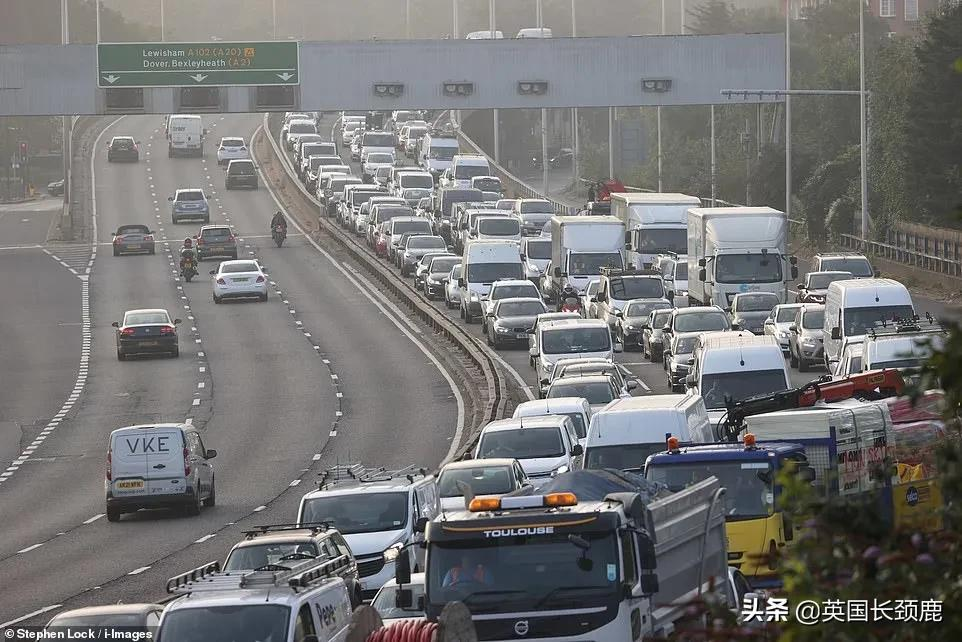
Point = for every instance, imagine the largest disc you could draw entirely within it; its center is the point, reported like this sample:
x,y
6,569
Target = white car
x,y
779,321
452,292
348,130
232,149
375,161
545,446
386,603
243,278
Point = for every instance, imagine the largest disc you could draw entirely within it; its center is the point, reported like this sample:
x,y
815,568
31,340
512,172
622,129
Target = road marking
x,y
138,571
295,483
316,457
196,402
29,548
45,609
333,433
260,508
205,538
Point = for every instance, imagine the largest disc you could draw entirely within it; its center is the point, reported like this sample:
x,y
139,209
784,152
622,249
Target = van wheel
x,y
792,361
802,365
193,508
212,499
113,515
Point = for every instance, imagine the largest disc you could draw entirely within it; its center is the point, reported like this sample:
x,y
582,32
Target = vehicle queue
x,y
707,292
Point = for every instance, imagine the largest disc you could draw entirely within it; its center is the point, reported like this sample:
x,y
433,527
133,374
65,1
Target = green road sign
x,y
198,64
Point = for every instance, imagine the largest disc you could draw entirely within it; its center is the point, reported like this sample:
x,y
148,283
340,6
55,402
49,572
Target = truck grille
x,y
370,566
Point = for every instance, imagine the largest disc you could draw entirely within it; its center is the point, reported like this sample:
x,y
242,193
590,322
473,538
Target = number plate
x,y
133,246
130,484
149,343
240,280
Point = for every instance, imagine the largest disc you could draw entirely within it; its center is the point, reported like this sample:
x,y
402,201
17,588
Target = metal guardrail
x,y
903,255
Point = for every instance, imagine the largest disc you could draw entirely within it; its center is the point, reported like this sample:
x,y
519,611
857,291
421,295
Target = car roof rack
x,y
366,475
209,577
316,527
911,325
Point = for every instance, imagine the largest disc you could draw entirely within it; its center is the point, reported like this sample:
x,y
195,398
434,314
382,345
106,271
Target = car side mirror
x,y
618,347
115,324
793,328
671,296
577,450
210,454
593,299
533,351
836,333
690,381
878,273
213,272
177,321
558,273
631,385
691,361
794,271
170,199
619,313
421,524
800,286
736,327
769,322
702,275
666,329
702,262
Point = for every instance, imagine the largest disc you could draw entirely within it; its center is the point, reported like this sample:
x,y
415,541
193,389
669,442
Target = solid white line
x,y
30,615
294,483
138,571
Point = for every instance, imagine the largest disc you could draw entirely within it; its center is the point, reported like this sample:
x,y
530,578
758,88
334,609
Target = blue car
x,y
189,204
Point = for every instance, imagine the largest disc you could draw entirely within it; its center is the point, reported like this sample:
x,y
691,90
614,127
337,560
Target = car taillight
x,y
117,239
221,282
110,472
230,237
127,332
167,329
149,237
259,279
186,461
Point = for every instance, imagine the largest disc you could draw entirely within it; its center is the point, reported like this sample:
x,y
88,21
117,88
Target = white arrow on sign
x,y
198,77
285,76
111,78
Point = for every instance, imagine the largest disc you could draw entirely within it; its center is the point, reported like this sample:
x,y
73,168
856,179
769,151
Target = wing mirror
x,y
402,569
115,324
631,385
836,333
462,283
690,381
618,347
177,321
558,273
702,274
170,199
793,328
213,272
210,454
577,450
736,327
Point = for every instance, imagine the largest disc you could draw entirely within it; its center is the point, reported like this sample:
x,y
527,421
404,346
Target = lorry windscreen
x,y
442,152
524,573
749,483
859,267
658,241
240,623
621,456
589,264
859,320
637,288
739,385
490,272
573,340
748,268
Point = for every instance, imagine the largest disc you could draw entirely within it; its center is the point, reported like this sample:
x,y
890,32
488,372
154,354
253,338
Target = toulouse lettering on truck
x,y
514,532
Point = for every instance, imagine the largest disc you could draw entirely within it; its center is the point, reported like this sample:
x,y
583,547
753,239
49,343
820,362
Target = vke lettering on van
x,y
514,532
144,445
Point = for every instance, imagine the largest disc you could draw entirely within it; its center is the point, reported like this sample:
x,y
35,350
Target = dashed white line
x,y
205,538
138,571
29,548
260,508
32,614
295,483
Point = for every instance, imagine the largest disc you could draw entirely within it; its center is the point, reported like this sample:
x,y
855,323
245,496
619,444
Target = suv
x,y
378,511
231,148
617,287
187,204
285,543
216,240
240,173
857,264
122,148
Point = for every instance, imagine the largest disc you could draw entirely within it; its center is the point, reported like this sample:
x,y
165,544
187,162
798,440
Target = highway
x,y
281,389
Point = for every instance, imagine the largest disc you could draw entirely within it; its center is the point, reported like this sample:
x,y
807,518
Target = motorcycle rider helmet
x,y
188,242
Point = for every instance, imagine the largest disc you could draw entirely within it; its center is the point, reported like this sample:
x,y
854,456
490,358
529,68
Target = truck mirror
x,y
702,275
806,474
649,583
794,271
421,524
736,327
557,272
577,450
462,283
878,273
402,569
690,381
793,328
533,351
646,553
670,296
666,329
788,528
404,599
702,263
836,333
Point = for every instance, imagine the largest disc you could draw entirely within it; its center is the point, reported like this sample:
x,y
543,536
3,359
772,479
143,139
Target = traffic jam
x,y
599,506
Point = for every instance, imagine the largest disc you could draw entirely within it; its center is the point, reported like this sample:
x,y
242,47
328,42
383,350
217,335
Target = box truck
x,y
655,223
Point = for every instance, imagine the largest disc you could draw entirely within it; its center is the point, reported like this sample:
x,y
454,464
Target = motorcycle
x,y
279,233
571,304
188,268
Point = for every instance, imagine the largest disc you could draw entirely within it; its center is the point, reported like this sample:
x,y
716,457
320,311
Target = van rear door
x,y
128,465
164,449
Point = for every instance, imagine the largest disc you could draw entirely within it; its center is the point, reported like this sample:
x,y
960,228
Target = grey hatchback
x,y
133,239
216,240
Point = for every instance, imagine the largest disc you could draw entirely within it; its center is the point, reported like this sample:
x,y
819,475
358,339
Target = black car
x,y
240,173
149,331
123,148
56,188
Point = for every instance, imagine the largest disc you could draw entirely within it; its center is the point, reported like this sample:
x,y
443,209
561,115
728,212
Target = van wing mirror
x,y
577,450
836,333
421,524
402,569
794,271
210,454
702,275
558,273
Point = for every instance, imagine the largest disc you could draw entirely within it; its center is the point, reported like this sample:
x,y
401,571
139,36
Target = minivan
x,y
852,308
484,263
569,338
158,466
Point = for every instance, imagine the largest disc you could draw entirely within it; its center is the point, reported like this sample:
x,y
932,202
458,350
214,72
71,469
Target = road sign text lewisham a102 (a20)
x,y
201,64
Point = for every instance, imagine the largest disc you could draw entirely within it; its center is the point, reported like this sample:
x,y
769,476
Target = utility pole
x,y
273,19
66,125
863,129
163,32
97,13
407,19
611,142
496,125
575,142
713,167
454,19
788,109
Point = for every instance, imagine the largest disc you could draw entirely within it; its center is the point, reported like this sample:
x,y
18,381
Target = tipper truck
x,y
595,556
580,247
737,249
655,223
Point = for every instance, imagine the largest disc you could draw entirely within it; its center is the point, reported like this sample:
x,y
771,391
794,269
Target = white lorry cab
x,y
624,433
185,135
654,224
580,247
854,306
737,249
734,366
465,167
296,601
485,262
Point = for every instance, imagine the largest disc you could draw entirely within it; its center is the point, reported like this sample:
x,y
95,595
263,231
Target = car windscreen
x,y
380,158
145,318
537,207
813,319
573,340
421,181
353,513
596,392
748,268
526,443
422,242
133,229
400,227
464,172
762,302
190,196
702,322
442,152
859,320
644,308
785,314
822,281
588,264
232,142
857,266
514,291
488,272
500,226
621,456
739,385
483,480
444,265
539,250
377,139
234,268
637,288
750,484
520,309
244,622
247,558
302,128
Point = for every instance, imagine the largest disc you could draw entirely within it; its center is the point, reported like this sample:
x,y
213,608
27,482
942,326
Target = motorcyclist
x,y
279,220
187,252
570,298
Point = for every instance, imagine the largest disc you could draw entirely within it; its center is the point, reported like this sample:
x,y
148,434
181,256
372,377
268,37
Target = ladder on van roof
x,y
364,475
301,575
911,325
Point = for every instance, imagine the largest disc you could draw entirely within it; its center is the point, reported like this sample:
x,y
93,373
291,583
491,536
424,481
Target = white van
x,y
497,228
628,430
437,151
534,32
735,365
158,466
185,135
569,338
464,167
853,306
484,263
300,600
577,409
545,446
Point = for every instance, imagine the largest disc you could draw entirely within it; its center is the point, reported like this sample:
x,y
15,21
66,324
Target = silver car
x,y
805,343
678,356
750,309
779,321
452,293
512,320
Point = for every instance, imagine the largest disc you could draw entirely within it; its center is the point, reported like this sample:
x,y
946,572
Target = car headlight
x,y
809,343
500,328
393,552
475,297
782,334
563,468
